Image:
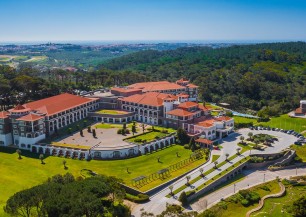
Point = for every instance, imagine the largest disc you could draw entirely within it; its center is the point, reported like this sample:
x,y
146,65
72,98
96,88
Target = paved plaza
x,y
105,139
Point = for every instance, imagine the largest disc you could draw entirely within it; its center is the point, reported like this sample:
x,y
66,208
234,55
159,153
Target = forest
x,y
266,78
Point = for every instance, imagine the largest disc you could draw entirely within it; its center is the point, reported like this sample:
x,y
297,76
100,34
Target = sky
x,y
152,20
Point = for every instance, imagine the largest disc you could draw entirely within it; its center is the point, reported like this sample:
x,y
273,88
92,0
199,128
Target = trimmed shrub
x,y
138,140
183,198
140,198
119,131
186,146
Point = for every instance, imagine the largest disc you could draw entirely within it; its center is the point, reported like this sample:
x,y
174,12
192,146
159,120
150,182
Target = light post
x,y
264,177
234,188
296,171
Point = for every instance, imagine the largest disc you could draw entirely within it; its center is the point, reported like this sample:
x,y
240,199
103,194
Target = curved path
x,y
262,200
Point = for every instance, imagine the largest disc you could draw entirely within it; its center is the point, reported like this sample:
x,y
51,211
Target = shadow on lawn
x,y
24,153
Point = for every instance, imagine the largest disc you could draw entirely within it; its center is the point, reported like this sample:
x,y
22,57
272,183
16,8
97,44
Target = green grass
x,y
111,112
283,122
245,147
17,174
300,151
35,59
273,206
109,126
238,210
147,136
215,157
286,122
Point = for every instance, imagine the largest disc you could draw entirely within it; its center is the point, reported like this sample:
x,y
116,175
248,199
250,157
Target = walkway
x,y
262,200
158,201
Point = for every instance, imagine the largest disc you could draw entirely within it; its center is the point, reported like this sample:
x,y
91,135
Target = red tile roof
x,y
188,104
192,85
30,117
179,112
4,114
156,86
223,118
205,108
57,104
19,108
150,98
125,90
204,141
298,111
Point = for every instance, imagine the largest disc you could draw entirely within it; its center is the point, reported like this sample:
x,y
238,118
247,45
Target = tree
x,y
158,159
238,151
216,163
182,136
143,127
81,133
171,189
94,133
183,198
188,178
250,134
201,171
18,151
242,139
256,141
124,126
64,163
299,207
192,144
134,128
41,157
89,129
226,156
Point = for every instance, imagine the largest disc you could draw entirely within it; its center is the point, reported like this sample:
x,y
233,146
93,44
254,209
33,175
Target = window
x,y
1,120
15,132
22,134
1,126
15,126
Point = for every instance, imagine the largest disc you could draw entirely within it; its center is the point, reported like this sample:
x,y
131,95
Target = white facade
x,y
6,139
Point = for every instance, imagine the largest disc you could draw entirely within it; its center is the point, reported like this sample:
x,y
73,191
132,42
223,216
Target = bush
x,y
127,131
189,193
186,146
266,188
164,131
140,198
183,198
138,140
157,137
144,140
119,131
245,202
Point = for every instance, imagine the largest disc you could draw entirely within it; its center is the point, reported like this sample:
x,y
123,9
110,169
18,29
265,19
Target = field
x,y
228,208
17,174
274,206
283,122
300,151
35,59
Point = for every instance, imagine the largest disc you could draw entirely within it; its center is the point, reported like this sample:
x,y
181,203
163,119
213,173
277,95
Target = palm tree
x,y
41,157
250,134
201,171
64,163
171,189
216,163
238,150
226,155
188,178
18,151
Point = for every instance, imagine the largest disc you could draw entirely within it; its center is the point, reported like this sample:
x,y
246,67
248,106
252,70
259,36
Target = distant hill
x,y
246,76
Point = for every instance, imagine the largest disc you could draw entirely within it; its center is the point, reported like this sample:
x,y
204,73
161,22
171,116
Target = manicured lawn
x,y
111,112
148,136
273,206
282,122
108,126
244,120
300,151
286,122
215,157
21,174
229,208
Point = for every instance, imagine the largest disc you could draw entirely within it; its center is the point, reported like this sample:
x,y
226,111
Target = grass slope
x,y
17,174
